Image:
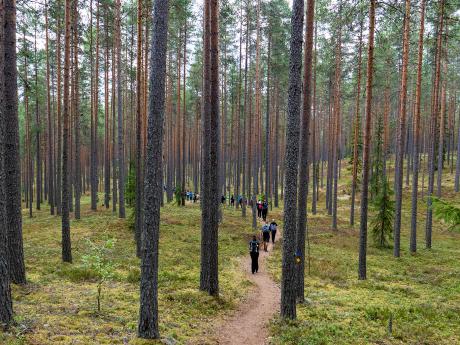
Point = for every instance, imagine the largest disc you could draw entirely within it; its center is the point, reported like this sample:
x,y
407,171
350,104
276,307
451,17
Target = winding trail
x,y
249,323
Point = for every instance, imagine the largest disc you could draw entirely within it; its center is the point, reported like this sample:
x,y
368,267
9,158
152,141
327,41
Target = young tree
x,y
288,282
153,184
366,147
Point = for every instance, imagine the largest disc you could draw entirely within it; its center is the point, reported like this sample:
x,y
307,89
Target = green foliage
x,y
98,261
447,212
382,222
130,189
377,179
178,195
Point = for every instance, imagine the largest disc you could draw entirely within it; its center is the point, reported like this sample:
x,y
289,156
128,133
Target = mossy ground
x,y
58,305
420,293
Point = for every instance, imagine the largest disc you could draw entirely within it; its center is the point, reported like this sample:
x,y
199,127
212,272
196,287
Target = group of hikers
x,y
254,244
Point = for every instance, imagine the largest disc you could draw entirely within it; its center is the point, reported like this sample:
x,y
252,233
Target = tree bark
x,y
288,282
304,151
153,184
12,153
366,144
399,164
66,245
6,306
416,135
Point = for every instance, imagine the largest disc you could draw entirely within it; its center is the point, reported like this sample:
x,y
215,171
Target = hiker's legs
x,y
273,236
254,262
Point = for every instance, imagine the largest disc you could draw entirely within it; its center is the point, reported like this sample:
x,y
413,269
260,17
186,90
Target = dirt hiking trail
x,y
249,323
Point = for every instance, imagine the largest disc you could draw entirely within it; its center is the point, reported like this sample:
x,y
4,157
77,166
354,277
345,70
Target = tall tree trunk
x,y
400,135
148,314
6,305
106,115
357,127
139,185
77,112
37,129
304,151
366,144
121,155
416,135
51,170
58,113
12,153
66,246
433,124
288,282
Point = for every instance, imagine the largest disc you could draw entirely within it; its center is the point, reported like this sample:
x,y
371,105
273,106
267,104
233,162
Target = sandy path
x,y
249,324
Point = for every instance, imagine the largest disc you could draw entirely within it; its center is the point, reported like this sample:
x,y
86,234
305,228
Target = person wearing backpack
x,y
254,252
259,209
264,211
266,235
273,228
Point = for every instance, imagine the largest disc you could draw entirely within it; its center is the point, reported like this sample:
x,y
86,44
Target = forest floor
x,y
420,293
58,305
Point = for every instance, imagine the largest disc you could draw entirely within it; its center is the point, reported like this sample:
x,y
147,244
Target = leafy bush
x,y
97,261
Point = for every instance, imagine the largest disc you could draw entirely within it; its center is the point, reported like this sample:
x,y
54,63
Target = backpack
x,y
265,228
254,246
273,227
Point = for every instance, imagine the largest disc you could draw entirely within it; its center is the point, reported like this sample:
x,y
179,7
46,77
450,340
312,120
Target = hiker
x,y
259,209
232,201
273,228
222,199
264,211
254,252
195,198
266,235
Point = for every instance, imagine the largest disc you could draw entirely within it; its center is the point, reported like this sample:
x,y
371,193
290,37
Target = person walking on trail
x,y
266,235
222,199
232,201
264,210
273,228
259,209
254,252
